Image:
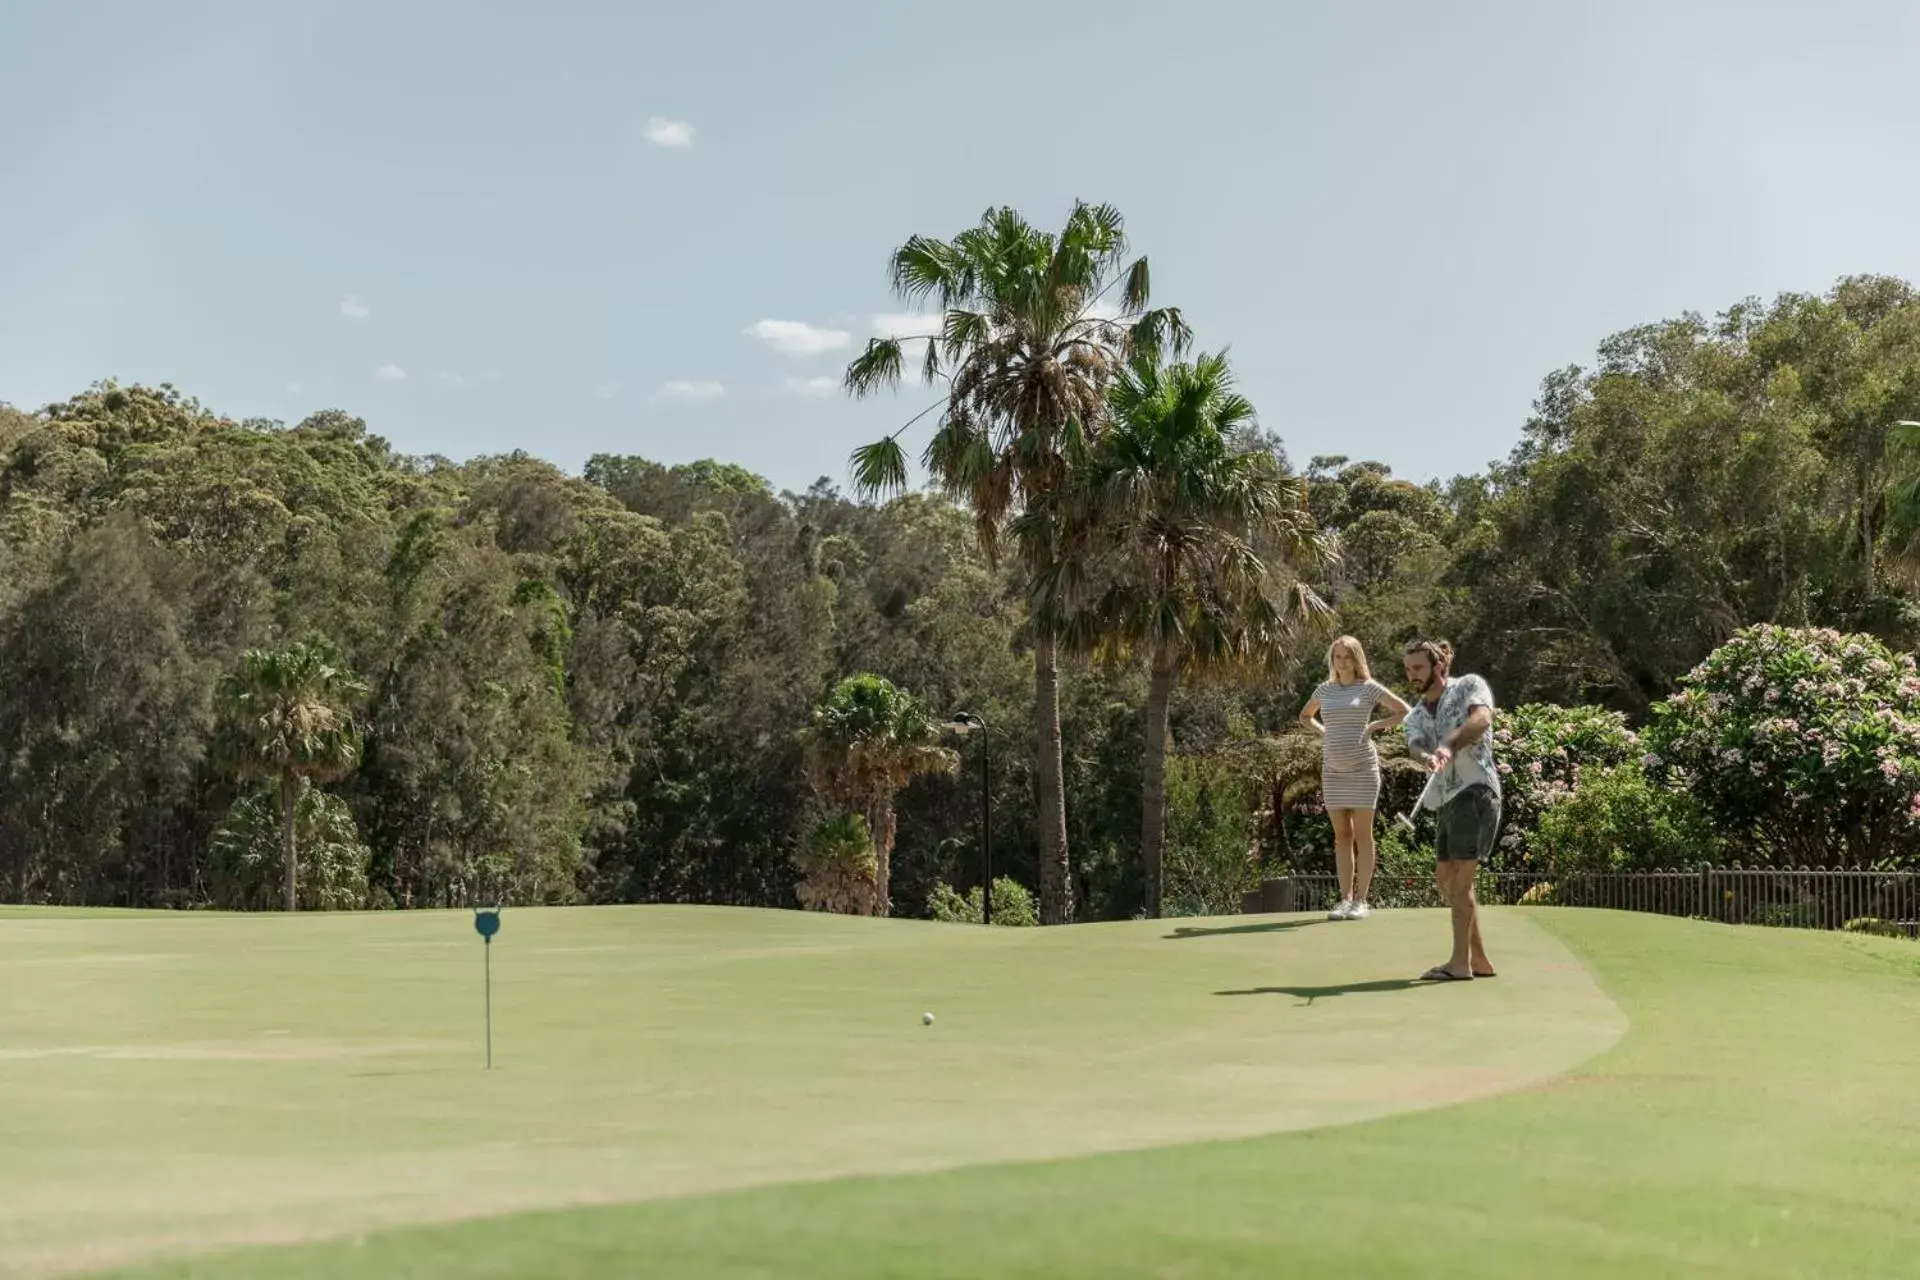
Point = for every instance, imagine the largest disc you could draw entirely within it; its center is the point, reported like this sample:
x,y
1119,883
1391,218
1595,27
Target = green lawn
x,y
186,1083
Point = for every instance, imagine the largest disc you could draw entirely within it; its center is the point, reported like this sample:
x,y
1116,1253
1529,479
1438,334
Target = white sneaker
x,y
1342,912
1360,911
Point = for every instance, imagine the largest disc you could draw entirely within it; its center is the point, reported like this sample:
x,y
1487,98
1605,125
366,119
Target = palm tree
x,y
1027,343
288,720
868,740
1209,541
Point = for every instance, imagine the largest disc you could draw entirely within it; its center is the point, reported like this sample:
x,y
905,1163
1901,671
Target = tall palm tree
x,y
1209,542
867,740
289,720
1028,341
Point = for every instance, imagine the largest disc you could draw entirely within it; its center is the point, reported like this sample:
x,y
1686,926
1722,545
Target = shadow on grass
x,y
1307,995
1267,926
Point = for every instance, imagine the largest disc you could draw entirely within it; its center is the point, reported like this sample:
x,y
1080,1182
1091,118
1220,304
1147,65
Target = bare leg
x,y
1456,887
1343,850
1364,856
1476,952
1461,902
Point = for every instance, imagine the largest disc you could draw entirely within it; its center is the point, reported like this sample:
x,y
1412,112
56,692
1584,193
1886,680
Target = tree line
x,y
445,682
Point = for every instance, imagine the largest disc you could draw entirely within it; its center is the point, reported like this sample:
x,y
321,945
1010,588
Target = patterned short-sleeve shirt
x,y
1427,727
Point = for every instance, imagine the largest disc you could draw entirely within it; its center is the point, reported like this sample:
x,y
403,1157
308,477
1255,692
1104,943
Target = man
x,y
1448,731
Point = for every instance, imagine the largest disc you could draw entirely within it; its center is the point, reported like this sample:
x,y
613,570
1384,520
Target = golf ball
x,y
927,1018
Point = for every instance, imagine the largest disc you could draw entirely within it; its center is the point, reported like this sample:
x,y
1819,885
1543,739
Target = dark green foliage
x,y
590,688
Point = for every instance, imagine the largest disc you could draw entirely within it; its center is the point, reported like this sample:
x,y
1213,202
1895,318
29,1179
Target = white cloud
x,y
607,390
908,324
390,373
448,378
353,308
692,390
795,338
675,135
813,386
294,387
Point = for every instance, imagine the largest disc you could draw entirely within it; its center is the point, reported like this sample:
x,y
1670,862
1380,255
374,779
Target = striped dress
x,y
1349,765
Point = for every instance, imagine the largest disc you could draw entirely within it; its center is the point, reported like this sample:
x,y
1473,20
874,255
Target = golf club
x,y
1405,820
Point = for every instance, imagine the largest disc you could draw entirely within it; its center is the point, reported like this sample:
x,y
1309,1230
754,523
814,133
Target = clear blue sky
x,y
1400,216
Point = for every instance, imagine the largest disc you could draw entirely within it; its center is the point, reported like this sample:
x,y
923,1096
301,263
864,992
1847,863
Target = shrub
x,y
1542,751
1617,820
1403,876
246,866
1210,858
1013,905
1540,895
837,864
1874,925
1802,745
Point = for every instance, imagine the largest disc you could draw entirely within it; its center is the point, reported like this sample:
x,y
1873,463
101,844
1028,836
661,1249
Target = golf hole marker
x,y
486,924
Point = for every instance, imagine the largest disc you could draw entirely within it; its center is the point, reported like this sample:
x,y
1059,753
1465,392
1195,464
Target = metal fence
x,y
1801,898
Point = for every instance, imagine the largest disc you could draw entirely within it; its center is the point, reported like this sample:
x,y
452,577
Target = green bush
x,y
1783,915
1013,905
1209,858
1877,927
1542,752
1403,875
1617,820
246,869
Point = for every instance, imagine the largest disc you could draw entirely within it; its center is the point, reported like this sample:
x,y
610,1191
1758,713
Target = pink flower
x,y
1534,768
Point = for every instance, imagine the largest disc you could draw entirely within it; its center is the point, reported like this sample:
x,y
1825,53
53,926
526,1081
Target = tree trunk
x,y
880,824
1056,885
1153,775
289,798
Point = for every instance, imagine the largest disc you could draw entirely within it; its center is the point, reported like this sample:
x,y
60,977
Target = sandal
x,y
1440,973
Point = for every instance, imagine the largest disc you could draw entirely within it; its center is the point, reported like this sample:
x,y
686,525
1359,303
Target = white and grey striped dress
x,y
1349,764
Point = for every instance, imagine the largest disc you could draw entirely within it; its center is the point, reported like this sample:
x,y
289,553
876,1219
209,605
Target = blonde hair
x,y
1351,647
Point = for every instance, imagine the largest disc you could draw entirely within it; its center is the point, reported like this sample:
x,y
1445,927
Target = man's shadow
x,y
1307,995
1268,926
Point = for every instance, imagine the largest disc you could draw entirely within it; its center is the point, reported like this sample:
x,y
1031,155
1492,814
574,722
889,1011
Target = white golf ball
x,y
927,1018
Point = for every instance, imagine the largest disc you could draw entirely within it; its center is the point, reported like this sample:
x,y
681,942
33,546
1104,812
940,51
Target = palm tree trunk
x,y
880,822
1056,886
289,797
1153,774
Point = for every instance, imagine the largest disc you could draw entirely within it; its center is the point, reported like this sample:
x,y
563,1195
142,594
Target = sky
x,y
663,228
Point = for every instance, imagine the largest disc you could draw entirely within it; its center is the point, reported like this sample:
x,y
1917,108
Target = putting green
x,y
184,1083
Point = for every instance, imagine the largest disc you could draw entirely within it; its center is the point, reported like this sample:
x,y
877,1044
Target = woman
x,y
1342,712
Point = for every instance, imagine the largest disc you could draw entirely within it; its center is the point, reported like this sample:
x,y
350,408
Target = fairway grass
x,y
183,1082
1754,1120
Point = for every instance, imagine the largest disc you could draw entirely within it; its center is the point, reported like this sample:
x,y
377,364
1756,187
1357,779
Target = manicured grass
x,y
1755,1119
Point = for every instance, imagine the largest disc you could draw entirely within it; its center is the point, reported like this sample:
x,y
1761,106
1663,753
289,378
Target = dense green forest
x,y
449,681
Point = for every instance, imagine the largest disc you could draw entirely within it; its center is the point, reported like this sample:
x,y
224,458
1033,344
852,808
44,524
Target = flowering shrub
x,y
1803,745
1541,752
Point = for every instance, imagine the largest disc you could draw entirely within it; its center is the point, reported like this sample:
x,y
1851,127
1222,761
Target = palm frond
x,y
925,268
879,470
1160,334
1139,287
875,369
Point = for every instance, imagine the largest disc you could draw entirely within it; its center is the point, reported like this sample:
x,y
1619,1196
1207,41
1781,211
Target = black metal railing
x,y
1798,897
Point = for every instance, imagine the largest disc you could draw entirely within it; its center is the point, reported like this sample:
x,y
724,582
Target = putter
x,y
1404,821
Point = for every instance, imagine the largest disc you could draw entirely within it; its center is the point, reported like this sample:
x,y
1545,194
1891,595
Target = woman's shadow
x,y
1307,995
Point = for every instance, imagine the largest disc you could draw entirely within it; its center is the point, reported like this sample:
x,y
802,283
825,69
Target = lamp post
x,y
965,723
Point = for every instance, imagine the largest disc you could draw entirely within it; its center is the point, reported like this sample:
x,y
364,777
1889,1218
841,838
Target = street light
x,y
965,723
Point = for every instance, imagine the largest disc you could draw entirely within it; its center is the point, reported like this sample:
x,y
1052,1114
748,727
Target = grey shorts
x,y
1465,826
